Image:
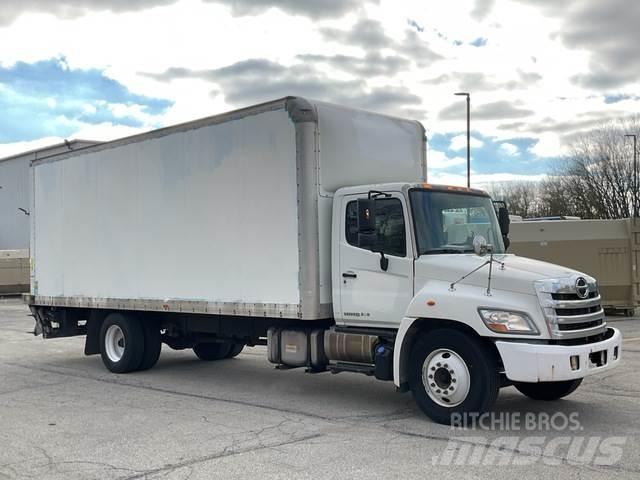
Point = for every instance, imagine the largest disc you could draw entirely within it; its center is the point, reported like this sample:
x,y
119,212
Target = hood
x,y
518,274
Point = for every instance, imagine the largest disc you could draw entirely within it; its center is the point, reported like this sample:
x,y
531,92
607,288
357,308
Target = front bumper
x,y
529,362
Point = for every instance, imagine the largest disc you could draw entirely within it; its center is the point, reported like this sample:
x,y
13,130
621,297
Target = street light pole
x,y
465,94
635,174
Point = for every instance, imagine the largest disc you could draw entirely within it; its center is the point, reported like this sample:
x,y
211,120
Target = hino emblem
x,y
582,288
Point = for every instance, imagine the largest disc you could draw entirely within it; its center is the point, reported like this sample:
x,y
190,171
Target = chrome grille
x,y
564,327
572,296
569,315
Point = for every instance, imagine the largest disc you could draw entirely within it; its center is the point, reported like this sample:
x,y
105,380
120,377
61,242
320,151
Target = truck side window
x,y
389,224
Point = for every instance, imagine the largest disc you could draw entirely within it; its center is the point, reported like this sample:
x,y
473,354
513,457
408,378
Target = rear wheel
x,y
236,348
452,373
152,344
548,390
212,351
121,343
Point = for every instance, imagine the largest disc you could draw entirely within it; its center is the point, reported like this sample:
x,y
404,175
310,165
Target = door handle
x,y
349,275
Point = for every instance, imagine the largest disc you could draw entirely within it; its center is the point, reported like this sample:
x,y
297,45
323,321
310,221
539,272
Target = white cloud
x,y
483,179
9,149
520,39
480,181
103,132
459,142
509,149
548,146
438,160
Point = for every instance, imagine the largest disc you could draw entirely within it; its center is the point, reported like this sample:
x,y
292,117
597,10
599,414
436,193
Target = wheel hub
x,y
442,377
446,377
114,343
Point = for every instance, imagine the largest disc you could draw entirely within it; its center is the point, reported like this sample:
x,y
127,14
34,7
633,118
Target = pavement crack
x,y
174,392
31,387
226,452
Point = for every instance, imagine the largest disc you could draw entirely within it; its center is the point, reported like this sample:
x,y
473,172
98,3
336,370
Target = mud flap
x,y
37,329
92,342
43,324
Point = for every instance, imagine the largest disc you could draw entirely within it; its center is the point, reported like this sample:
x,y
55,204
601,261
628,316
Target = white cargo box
x,y
229,215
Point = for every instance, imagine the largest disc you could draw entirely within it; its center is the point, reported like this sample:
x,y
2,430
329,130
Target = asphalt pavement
x,y
64,416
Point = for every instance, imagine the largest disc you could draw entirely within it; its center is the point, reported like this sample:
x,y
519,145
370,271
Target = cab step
x,y
366,368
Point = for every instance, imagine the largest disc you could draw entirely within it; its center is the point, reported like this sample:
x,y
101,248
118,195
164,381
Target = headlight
x,y
504,321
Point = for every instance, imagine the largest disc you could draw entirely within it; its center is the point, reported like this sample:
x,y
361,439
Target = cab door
x,y
369,295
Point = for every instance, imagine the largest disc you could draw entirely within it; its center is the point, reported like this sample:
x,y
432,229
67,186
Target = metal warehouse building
x,y
15,192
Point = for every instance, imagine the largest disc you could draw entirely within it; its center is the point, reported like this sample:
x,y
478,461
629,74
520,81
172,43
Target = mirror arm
x,y
506,242
376,193
384,262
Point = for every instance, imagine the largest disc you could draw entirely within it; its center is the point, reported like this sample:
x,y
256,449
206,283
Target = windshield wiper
x,y
432,251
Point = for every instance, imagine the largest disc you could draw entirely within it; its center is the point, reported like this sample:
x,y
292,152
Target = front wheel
x,y
548,390
452,373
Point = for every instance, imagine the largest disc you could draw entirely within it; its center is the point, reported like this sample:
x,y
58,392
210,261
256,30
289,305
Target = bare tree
x,y
597,176
595,180
554,199
522,197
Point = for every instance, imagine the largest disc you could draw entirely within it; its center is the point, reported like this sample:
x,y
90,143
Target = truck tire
x,y
121,343
152,345
548,390
452,372
236,348
212,351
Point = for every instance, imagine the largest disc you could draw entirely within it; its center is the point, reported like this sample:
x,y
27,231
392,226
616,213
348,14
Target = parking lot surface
x,y
64,416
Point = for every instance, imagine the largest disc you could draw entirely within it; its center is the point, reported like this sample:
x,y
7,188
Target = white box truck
x,y
309,228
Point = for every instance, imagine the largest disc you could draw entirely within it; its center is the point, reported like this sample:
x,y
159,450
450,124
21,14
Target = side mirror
x,y
503,220
367,235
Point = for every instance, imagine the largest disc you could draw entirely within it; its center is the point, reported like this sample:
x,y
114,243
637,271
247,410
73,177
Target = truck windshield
x,y
447,222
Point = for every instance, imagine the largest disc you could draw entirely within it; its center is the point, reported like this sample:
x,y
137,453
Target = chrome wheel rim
x,y
114,343
446,378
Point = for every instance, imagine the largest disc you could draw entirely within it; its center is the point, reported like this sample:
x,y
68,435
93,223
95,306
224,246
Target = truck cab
x,y
430,262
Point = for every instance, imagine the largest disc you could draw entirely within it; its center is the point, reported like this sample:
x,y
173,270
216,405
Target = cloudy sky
x,y
539,71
